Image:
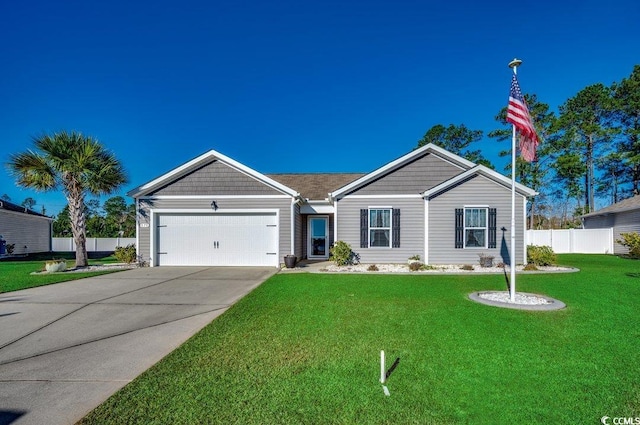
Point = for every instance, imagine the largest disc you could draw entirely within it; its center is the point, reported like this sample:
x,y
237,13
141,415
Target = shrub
x,y
373,268
415,266
466,267
486,260
530,267
632,242
10,247
541,255
342,254
414,258
126,254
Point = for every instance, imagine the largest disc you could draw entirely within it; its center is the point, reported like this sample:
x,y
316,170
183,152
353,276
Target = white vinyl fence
x,y
93,244
574,241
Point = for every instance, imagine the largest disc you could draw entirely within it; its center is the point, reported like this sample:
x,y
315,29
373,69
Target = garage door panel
x,y
238,239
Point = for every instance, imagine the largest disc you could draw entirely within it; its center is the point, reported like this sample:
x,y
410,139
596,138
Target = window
x,y
380,227
475,227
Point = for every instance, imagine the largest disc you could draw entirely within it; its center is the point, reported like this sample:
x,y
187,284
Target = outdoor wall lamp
x,y
214,205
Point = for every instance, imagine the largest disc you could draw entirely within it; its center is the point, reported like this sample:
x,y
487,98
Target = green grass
x,y
15,273
304,349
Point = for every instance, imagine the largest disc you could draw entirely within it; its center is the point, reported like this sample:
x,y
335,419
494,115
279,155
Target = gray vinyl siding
x,y
218,179
143,217
29,233
413,178
411,228
282,204
622,222
477,191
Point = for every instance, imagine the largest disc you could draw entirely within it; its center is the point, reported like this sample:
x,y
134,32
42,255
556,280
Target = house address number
x,y
144,224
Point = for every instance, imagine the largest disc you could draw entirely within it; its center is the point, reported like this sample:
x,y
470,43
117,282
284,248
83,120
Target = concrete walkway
x,y
65,348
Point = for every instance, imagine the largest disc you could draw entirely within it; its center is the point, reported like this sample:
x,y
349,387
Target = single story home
x,y
623,217
215,211
25,229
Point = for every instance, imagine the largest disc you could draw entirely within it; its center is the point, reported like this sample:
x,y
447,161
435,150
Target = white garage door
x,y
217,239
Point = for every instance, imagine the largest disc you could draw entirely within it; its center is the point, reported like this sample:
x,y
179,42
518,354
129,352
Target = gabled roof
x,y
393,165
202,160
625,205
10,206
315,186
483,171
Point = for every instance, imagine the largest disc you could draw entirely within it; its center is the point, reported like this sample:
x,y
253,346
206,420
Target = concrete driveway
x,y
65,348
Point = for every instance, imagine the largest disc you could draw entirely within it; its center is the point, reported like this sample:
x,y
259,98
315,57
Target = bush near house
x,y
632,242
126,254
541,255
342,254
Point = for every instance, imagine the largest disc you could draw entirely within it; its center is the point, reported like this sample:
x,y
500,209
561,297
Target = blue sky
x,y
289,85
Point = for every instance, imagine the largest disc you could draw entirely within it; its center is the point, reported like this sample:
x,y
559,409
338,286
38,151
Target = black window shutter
x,y
459,228
492,227
395,229
364,228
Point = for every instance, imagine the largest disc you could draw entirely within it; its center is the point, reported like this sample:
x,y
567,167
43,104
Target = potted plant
x,y
290,261
486,260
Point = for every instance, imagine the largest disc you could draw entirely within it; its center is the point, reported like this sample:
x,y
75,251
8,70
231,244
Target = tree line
x,y
589,149
112,219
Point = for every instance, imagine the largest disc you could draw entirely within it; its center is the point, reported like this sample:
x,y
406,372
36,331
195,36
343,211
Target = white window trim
x,y
380,228
309,236
486,227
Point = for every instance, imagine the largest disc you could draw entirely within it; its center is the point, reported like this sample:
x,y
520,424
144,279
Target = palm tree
x,y
77,164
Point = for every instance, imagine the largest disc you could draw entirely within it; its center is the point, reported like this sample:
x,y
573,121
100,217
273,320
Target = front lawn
x,y
304,348
15,274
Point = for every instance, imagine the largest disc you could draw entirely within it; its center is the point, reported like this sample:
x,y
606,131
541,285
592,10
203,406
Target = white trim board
x,y
213,197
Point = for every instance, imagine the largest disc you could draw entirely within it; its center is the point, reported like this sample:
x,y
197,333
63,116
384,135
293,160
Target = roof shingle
x,y
315,186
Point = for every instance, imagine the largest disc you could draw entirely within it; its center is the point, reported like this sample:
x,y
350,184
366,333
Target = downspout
x,y
292,227
426,230
296,200
138,229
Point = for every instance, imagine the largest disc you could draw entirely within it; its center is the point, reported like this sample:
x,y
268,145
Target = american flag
x,y
518,115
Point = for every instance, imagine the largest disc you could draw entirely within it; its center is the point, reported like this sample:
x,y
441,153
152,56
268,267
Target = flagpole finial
x,y
514,63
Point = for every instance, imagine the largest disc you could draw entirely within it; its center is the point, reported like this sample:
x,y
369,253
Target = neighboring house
x,y
214,210
623,217
27,230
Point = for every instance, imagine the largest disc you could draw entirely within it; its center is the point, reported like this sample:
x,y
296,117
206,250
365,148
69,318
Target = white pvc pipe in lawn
x,y
382,371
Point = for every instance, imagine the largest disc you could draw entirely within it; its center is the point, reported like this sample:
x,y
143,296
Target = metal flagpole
x,y
512,266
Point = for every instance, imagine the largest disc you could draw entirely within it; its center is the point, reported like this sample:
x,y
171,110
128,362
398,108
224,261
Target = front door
x,y
318,243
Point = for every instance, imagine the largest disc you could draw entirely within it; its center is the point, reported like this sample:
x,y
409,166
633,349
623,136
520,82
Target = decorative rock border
x,y
552,303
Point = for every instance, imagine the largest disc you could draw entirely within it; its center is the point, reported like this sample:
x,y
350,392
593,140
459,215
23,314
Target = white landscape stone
x,y
447,268
522,299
